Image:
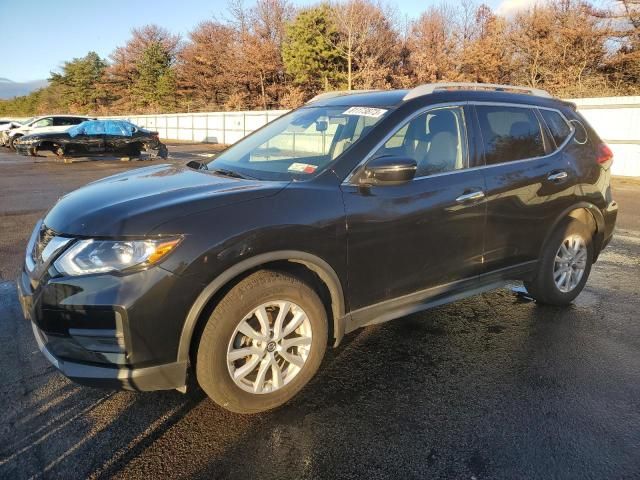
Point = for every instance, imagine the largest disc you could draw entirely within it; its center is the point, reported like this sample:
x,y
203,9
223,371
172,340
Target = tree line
x,y
274,55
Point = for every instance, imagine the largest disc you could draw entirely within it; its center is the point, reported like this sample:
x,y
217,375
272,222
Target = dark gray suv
x,y
355,209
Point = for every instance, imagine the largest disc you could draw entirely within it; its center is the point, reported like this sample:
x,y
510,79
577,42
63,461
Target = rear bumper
x,y
610,215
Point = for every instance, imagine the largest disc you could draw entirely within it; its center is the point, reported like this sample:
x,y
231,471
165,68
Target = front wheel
x,y
565,265
12,141
263,342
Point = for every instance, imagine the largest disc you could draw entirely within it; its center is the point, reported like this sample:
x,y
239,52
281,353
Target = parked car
x,y
355,209
48,123
94,137
6,127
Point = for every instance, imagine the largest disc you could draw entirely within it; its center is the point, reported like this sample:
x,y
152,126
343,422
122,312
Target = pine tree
x,y
309,55
154,85
79,83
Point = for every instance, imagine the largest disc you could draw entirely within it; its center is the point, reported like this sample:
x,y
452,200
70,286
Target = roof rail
x,y
428,88
337,93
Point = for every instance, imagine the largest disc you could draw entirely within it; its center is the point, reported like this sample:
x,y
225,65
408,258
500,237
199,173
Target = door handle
x,y
471,197
556,177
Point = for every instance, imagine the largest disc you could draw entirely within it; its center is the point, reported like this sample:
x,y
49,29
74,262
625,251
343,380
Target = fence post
x,y
224,128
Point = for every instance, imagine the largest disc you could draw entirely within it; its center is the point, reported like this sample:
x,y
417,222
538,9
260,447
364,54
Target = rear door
x,y
117,141
424,233
527,181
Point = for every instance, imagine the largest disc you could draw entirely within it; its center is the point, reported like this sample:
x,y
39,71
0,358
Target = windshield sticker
x,y
302,168
365,111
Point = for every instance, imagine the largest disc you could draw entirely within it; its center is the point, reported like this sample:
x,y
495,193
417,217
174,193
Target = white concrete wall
x,y
211,127
616,119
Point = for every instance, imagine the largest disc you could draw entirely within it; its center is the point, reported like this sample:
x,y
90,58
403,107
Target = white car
x,y
47,123
6,126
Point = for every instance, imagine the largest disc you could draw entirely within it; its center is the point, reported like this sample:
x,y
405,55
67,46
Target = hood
x,y
9,126
134,202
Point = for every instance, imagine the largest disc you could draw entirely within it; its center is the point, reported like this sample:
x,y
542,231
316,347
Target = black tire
x,y
212,369
163,152
543,287
12,140
159,152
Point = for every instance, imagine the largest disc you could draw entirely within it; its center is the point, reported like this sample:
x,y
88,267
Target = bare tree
x,y
368,41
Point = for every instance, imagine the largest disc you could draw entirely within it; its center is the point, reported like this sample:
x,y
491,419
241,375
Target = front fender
x,y
326,273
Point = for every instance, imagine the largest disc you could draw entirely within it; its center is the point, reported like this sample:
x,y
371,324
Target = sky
x,y
39,35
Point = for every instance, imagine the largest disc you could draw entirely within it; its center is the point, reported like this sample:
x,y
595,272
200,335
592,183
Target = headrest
x,y
520,129
442,121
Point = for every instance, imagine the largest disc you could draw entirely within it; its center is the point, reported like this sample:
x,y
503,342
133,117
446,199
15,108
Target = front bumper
x,y
23,149
160,377
108,331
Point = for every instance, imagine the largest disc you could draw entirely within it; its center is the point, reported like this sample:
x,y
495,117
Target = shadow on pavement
x,y
486,387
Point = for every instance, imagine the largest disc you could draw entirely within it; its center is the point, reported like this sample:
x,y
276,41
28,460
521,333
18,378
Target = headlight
x,y
100,256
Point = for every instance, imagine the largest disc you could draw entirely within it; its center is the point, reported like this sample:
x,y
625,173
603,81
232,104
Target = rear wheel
x,y
263,342
159,152
565,265
163,152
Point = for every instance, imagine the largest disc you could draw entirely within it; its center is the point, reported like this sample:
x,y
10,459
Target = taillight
x,y
604,154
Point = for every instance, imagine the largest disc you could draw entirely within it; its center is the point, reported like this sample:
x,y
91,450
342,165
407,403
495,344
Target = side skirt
x,y
435,296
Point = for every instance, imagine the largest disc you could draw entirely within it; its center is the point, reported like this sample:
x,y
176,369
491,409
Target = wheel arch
x,y
322,269
587,213
14,137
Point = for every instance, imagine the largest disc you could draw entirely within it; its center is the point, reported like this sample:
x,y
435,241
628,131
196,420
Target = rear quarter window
x,y
510,133
557,125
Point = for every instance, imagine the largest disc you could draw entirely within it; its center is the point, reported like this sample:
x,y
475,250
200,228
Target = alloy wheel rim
x,y
269,347
570,263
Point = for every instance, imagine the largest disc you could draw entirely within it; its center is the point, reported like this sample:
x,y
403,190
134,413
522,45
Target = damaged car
x,y
44,124
5,129
95,137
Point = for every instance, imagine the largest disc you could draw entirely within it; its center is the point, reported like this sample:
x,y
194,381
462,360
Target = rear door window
x,y
558,126
65,121
510,133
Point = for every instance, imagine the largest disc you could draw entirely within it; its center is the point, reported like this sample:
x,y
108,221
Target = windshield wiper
x,y
231,173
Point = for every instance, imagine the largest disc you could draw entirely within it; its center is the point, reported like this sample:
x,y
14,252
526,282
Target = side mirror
x,y
196,165
389,169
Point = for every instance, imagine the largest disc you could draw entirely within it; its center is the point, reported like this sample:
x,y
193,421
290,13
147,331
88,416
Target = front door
x,y
427,232
84,144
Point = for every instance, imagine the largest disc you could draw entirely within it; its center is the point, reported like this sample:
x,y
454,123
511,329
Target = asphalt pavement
x,y
489,387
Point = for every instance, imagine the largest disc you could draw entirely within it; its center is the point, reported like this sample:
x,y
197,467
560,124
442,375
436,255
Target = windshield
x,y
299,144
